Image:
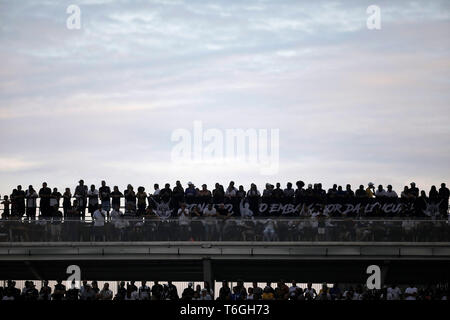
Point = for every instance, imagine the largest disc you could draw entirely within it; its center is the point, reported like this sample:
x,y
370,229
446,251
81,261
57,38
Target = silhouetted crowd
x,y
158,291
24,203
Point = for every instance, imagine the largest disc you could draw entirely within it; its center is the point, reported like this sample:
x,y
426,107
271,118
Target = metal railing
x,y
231,229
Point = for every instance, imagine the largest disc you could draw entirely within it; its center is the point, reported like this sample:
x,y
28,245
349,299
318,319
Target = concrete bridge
x,y
400,262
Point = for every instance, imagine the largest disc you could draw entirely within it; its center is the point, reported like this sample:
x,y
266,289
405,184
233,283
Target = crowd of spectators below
x,y
281,291
137,203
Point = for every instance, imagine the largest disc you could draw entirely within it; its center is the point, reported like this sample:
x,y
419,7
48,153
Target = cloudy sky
x,y
352,105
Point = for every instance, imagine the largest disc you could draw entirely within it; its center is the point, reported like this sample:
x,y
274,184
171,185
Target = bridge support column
x,y
384,273
33,270
208,272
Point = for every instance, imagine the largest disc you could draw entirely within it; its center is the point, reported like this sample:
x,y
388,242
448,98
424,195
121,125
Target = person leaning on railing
x,y
31,196
141,196
92,199
44,204
19,201
130,199
6,205
116,195
55,198
184,218
444,195
81,195
67,196
105,197
99,223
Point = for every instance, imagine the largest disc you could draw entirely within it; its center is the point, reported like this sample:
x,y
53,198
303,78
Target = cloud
x,y
12,164
101,102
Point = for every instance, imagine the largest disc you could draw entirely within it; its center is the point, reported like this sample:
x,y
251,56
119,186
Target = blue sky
x,y
352,105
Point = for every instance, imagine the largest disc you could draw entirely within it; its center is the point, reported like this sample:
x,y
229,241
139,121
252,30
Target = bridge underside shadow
x,y
331,271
